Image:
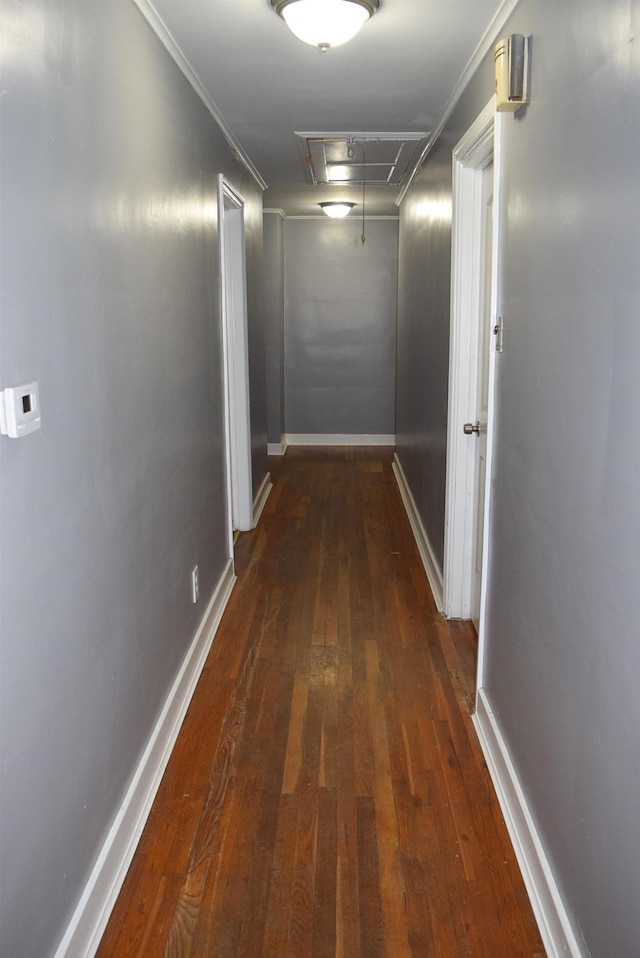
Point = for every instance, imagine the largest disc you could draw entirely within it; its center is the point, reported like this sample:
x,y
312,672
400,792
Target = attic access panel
x,y
378,159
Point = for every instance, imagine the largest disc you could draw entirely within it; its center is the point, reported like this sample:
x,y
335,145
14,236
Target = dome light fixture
x,y
325,23
336,209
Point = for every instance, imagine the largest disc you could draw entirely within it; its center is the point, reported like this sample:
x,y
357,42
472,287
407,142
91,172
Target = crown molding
x,y
277,212
484,46
163,33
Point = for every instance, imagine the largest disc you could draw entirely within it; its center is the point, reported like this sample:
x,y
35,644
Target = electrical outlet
x,y
195,584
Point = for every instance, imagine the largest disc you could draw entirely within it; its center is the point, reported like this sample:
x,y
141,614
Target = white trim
x,y
235,340
165,36
90,917
483,48
261,497
496,309
478,140
470,156
277,212
338,439
277,448
345,220
558,935
429,561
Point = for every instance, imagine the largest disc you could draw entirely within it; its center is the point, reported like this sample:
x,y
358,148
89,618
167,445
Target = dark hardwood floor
x,y
327,795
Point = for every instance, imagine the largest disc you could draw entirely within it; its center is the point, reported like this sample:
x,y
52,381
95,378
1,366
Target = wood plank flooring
x,y
327,796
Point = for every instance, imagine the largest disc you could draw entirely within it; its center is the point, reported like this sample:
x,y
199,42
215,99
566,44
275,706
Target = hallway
x,y
327,795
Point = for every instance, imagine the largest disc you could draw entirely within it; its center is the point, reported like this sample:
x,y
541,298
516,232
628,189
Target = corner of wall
x,y
429,561
83,934
549,909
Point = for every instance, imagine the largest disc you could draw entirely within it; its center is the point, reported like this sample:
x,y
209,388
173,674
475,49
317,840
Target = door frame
x,y
477,148
233,297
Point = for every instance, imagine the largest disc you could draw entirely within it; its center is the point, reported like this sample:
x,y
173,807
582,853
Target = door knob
x,y
469,428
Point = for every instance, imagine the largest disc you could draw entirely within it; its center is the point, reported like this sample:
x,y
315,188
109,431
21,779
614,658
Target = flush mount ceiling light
x,y
325,23
336,209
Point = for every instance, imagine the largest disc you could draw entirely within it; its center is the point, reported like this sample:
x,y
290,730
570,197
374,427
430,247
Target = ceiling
x,y
397,76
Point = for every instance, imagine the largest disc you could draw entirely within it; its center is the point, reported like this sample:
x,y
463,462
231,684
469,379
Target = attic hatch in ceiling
x,y
381,159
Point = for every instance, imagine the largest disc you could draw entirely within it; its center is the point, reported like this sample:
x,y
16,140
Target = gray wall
x,y
274,322
340,326
109,297
424,273
563,654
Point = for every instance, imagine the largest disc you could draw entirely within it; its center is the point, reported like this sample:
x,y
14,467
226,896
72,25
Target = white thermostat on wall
x,y
19,410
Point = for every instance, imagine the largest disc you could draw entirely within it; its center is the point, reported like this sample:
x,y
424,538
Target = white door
x,y
478,436
473,287
236,358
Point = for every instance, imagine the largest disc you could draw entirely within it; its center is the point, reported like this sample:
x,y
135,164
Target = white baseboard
x,y
558,935
277,448
339,439
261,497
89,920
429,561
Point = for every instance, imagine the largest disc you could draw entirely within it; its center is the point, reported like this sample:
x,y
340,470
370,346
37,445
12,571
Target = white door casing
x,y
471,157
481,412
236,358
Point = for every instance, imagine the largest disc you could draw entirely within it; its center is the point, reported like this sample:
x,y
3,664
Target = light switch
x,y
19,410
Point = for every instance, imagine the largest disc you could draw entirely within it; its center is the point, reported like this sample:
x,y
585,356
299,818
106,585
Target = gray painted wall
x,y
424,272
109,297
274,322
563,654
340,326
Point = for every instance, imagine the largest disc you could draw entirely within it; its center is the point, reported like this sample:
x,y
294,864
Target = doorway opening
x,y
475,247
236,359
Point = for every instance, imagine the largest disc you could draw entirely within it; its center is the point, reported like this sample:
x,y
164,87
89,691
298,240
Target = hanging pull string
x,y
363,238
